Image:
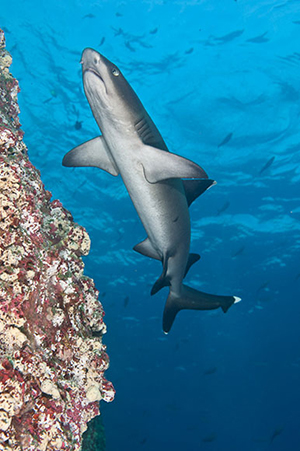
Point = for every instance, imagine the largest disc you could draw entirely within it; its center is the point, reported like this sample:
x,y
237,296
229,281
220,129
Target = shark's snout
x,y
90,59
90,55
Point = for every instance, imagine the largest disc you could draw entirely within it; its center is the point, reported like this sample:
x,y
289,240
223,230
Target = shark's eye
x,y
115,72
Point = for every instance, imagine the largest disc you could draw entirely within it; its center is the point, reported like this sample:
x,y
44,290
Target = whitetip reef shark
x,y
131,145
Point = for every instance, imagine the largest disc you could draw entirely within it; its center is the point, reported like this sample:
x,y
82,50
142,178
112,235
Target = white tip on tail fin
x,y
236,299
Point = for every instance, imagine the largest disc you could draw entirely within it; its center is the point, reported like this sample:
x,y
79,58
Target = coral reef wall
x,y
52,359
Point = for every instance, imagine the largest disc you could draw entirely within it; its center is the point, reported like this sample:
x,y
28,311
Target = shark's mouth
x,y
90,69
93,71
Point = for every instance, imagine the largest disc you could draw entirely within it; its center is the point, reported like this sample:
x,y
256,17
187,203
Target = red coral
x,y
47,308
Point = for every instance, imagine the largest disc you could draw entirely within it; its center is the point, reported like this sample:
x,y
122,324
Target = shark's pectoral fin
x,y
194,188
193,258
91,153
159,165
145,248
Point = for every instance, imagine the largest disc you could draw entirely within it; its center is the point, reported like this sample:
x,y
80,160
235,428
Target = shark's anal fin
x,y
159,165
163,280
193,258
194,300
194,188
145,248
91,153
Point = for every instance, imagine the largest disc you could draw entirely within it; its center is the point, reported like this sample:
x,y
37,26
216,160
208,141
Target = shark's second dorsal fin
x,y
194,188
159,165
91,153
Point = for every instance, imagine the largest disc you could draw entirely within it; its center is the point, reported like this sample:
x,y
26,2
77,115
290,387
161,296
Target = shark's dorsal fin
x,y
194,188
159,165
91,153
145,248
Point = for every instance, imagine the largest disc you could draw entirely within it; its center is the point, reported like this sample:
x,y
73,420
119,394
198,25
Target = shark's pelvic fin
x,y
159,165
194,300
194,188
145,248
91,153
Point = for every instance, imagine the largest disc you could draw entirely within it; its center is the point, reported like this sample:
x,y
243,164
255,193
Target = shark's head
x,y
109,94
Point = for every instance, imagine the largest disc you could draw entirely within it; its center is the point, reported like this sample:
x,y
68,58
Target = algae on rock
x,y
52,359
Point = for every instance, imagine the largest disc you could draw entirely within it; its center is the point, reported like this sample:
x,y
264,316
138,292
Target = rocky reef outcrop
x,y
52,359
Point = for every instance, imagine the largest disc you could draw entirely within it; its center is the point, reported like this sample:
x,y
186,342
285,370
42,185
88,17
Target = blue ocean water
x,y
221,81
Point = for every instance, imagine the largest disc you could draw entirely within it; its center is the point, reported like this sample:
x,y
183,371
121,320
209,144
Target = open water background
x,y
221,80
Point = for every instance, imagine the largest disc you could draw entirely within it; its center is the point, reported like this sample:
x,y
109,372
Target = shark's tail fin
x,y
194,300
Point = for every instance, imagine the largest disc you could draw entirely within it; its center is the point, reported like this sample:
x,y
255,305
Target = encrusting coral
x,y
52,359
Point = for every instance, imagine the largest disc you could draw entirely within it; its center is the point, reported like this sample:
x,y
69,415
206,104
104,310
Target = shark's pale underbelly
x,y
163,210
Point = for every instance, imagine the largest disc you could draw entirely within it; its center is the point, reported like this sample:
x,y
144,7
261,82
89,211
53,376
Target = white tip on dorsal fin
x,y
159,165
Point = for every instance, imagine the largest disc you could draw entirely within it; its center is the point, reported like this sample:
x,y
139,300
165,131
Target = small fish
x,y
277,431
119,15
230,36
126,301
155,30
259,39
211,370
225,140
267,165
129,46
223,208
118,31
78,125
53,94
238,252
89,16
102,41
189,51
209,438
262,286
